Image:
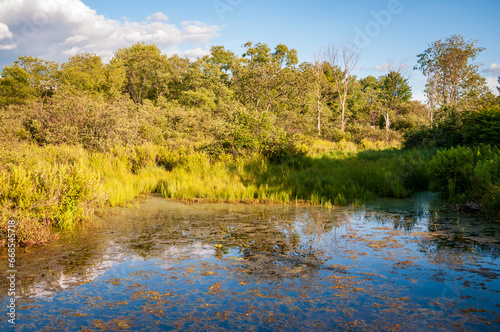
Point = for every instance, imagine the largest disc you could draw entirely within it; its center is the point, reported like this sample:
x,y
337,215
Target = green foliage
x,y
15,87
86,73
465,128
68,118
482,126
146,70
259,127
46,187
451,171
28,78
451,75
340,179
245,132
468,174
61,186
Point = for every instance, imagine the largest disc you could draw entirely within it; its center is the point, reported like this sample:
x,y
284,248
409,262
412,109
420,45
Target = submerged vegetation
x,y
224,128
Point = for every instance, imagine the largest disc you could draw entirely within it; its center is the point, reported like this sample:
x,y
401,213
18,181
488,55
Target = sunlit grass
x,y
64,185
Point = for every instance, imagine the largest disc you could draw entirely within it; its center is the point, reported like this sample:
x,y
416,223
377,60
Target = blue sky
x,y
384,29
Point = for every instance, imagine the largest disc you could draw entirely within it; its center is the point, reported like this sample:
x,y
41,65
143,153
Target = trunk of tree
x,y
318,108
387,119
342,118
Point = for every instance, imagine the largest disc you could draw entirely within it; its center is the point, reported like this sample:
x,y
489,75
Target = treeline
x,y
142,95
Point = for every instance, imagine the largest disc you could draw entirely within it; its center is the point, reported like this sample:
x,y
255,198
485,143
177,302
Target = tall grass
x,y
60,186
63,185
340,178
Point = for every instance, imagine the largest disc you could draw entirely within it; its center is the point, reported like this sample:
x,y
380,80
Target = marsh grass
x,y
62,186
337,178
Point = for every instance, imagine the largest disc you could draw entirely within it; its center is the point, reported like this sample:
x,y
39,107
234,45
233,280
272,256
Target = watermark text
x,y
11,271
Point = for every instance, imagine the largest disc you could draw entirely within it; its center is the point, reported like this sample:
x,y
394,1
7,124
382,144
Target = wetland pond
x,y
396,265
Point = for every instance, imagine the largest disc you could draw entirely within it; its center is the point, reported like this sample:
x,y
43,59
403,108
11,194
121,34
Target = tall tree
x,y
342,59
372,105
394,89
267,80
86,72
224,63
319,82
146,69
14,86
451,73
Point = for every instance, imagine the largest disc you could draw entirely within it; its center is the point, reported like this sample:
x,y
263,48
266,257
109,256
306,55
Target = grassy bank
x,y
60,186
338,178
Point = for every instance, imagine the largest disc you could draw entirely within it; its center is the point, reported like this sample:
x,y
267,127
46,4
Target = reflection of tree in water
x,y
446,240
398,221
455,242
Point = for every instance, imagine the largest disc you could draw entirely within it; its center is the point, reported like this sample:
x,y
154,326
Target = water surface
x,y
398,265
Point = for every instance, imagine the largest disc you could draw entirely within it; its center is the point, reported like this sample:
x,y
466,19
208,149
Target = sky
x,y
386,31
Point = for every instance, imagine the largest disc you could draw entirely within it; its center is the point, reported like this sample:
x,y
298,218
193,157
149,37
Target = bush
x,y
466,174
451,171
468,128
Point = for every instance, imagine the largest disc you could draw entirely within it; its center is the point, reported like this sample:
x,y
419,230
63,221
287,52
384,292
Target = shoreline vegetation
x,y
65,185
83,135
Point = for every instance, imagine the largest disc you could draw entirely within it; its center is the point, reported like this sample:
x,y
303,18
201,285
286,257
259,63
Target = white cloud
x,y
54,29
7,47
159,16
191,53
494,69
384,67
4,31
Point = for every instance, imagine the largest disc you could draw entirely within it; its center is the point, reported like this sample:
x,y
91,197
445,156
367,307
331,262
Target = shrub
x,y
468,128
451,171
465,173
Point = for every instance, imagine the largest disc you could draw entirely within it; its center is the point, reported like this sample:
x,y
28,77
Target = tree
x,y
342,60
14,86
178,69
319,83
218,68
224,63
394,89
267,81
29,77
372,106
86,72
451,74
146,69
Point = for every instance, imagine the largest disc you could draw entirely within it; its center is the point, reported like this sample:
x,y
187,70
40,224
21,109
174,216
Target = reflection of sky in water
x,y
170,266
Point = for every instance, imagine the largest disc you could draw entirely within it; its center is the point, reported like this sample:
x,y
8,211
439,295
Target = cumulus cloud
x,y
55,29
493,69
4,31
159,16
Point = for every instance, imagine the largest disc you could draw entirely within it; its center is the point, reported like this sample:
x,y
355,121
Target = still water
x,y
397,265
